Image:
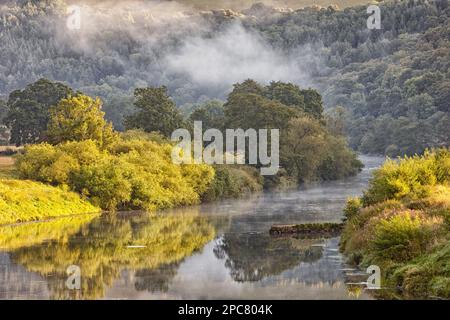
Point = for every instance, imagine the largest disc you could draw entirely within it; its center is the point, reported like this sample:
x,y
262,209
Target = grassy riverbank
x,y
22,200
402,224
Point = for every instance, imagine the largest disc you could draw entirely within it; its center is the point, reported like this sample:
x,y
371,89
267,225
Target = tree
x,y
157,112
211,114
28,113
250,105
249,110
4,132
3,110
248,86
302,148
313,102
79,118
286,93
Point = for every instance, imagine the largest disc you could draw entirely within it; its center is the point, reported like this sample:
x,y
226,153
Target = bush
x,y
233,182
352,207
404,236
402,224
131,174
409,176
428,275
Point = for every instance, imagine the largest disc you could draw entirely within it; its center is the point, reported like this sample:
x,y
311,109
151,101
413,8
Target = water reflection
x,y
255,256
107,245
216,251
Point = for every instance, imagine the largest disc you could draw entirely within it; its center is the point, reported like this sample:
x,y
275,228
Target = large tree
x,y
303,147
79,118
156,112
28,113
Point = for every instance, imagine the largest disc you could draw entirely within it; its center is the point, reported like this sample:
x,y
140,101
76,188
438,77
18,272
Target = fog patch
x,y
231,56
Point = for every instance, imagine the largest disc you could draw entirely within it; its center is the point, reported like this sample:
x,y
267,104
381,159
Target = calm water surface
x,y
214,251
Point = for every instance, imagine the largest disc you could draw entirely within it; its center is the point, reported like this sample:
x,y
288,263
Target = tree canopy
x,y
79,118
29,110
156,112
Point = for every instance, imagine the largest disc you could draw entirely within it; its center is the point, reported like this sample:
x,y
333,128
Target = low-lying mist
x,y
233,55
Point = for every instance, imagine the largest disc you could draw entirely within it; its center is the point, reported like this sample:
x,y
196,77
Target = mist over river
x,y
221,250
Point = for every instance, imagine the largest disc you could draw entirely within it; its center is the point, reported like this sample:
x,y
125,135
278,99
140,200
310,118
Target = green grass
x,y
402,224
22,200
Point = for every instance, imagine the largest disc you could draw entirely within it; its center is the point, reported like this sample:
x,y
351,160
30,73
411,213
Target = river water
x,y
214,251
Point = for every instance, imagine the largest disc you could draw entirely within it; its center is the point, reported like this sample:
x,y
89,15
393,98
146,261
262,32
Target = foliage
x,y
28,113
211,114
402,224
307,149
352,207
409,177
156,112
303,148
233,182
22,201
427,275
79,118
404,236
131,174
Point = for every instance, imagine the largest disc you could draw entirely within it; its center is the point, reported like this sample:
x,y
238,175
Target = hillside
x,y
392,84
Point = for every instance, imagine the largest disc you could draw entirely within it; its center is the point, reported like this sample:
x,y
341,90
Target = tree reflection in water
x,y
105,246
255,256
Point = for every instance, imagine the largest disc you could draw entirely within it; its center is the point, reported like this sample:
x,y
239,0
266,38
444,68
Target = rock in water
x,y
308,230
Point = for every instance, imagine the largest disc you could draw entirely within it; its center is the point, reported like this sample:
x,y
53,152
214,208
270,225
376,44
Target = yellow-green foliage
x,y
352,207
79,118
28,201
402,224
233,182
33,233
428,275
404,236
409,177
102,249
130,174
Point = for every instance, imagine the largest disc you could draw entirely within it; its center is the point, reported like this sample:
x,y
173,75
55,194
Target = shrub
x,y
130,174
408,177
352,207
404,236
233,182
427,275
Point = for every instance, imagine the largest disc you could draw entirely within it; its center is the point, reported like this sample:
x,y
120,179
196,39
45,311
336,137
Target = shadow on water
x,y
219,250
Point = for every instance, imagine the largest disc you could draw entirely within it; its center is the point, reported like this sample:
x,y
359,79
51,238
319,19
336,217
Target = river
x,y
221,250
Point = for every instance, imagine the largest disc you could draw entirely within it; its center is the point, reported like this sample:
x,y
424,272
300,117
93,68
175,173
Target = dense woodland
x,y
387,89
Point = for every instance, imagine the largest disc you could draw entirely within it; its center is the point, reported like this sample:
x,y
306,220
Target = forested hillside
x,y
390,87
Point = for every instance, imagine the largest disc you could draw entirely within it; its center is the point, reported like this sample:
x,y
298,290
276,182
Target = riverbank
x,y
241,261
402,224
23,201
